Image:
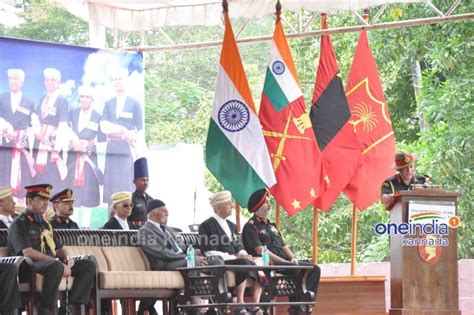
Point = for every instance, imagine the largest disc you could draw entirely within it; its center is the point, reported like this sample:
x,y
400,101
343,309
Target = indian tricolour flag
x,y
297,161
235,148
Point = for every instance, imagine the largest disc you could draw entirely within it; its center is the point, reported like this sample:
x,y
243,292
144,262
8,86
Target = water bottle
x,y
265,256
190,256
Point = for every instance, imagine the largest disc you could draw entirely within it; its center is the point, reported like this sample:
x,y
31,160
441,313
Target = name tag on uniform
x,y
126,115
93,126
23,110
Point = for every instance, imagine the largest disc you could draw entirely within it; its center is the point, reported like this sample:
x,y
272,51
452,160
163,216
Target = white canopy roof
x,y
142,15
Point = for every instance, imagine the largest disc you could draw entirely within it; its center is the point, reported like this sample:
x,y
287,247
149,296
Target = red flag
x,y
371,122
330,114
287,129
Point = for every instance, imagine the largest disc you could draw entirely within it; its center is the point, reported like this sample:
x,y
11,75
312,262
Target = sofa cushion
x,y
140,280
125,258
90,250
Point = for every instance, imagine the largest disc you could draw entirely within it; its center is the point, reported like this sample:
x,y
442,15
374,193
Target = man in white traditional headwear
x,y
83,172
122,122
51,133
122,207
16,111
219,237
7,207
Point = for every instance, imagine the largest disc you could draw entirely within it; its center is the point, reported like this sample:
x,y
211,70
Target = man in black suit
x,y
122,207
84,174
7,207
63,205
17,164
219,237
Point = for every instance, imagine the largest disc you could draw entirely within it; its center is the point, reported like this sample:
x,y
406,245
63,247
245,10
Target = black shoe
x,y
212,311
44,311
240,311
152,310
296,310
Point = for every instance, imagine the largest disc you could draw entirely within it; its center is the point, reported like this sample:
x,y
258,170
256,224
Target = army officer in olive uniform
x,y
259,232
32,236
63,205
405,177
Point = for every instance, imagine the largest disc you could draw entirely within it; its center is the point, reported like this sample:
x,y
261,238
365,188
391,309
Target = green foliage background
x,y
180,87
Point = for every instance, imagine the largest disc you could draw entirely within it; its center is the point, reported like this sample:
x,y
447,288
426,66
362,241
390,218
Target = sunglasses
x,y
127,205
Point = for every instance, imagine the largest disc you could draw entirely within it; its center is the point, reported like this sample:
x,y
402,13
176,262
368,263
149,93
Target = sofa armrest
x,y
15,260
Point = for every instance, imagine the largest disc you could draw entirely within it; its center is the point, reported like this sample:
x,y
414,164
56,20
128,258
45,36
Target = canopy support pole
x,y
337,30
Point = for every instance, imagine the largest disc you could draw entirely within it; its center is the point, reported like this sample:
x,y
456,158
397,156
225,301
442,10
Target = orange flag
x,y
371,122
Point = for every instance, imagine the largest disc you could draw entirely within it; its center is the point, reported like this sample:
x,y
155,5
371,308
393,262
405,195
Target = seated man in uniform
x,y
219,237
404,179
63,205
162,248
122,209
10,298
7,207
32,236
259,232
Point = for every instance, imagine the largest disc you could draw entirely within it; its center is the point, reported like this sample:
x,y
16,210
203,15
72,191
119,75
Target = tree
x,y
46,22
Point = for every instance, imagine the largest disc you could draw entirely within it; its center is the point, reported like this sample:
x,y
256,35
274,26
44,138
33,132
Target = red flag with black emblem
x,y
370,121
330,116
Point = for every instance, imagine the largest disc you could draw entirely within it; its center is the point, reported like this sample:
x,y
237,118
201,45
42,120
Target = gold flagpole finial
x,y
225,6
366,15
323,21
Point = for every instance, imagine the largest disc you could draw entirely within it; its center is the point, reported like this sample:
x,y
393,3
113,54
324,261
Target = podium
x,y
424,279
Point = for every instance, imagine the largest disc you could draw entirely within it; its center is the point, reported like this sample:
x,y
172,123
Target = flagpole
x,y
354,240
315,234
315,209
277,215
277,205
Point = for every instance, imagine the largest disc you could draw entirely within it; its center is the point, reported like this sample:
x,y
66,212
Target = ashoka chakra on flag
x,y
233,116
